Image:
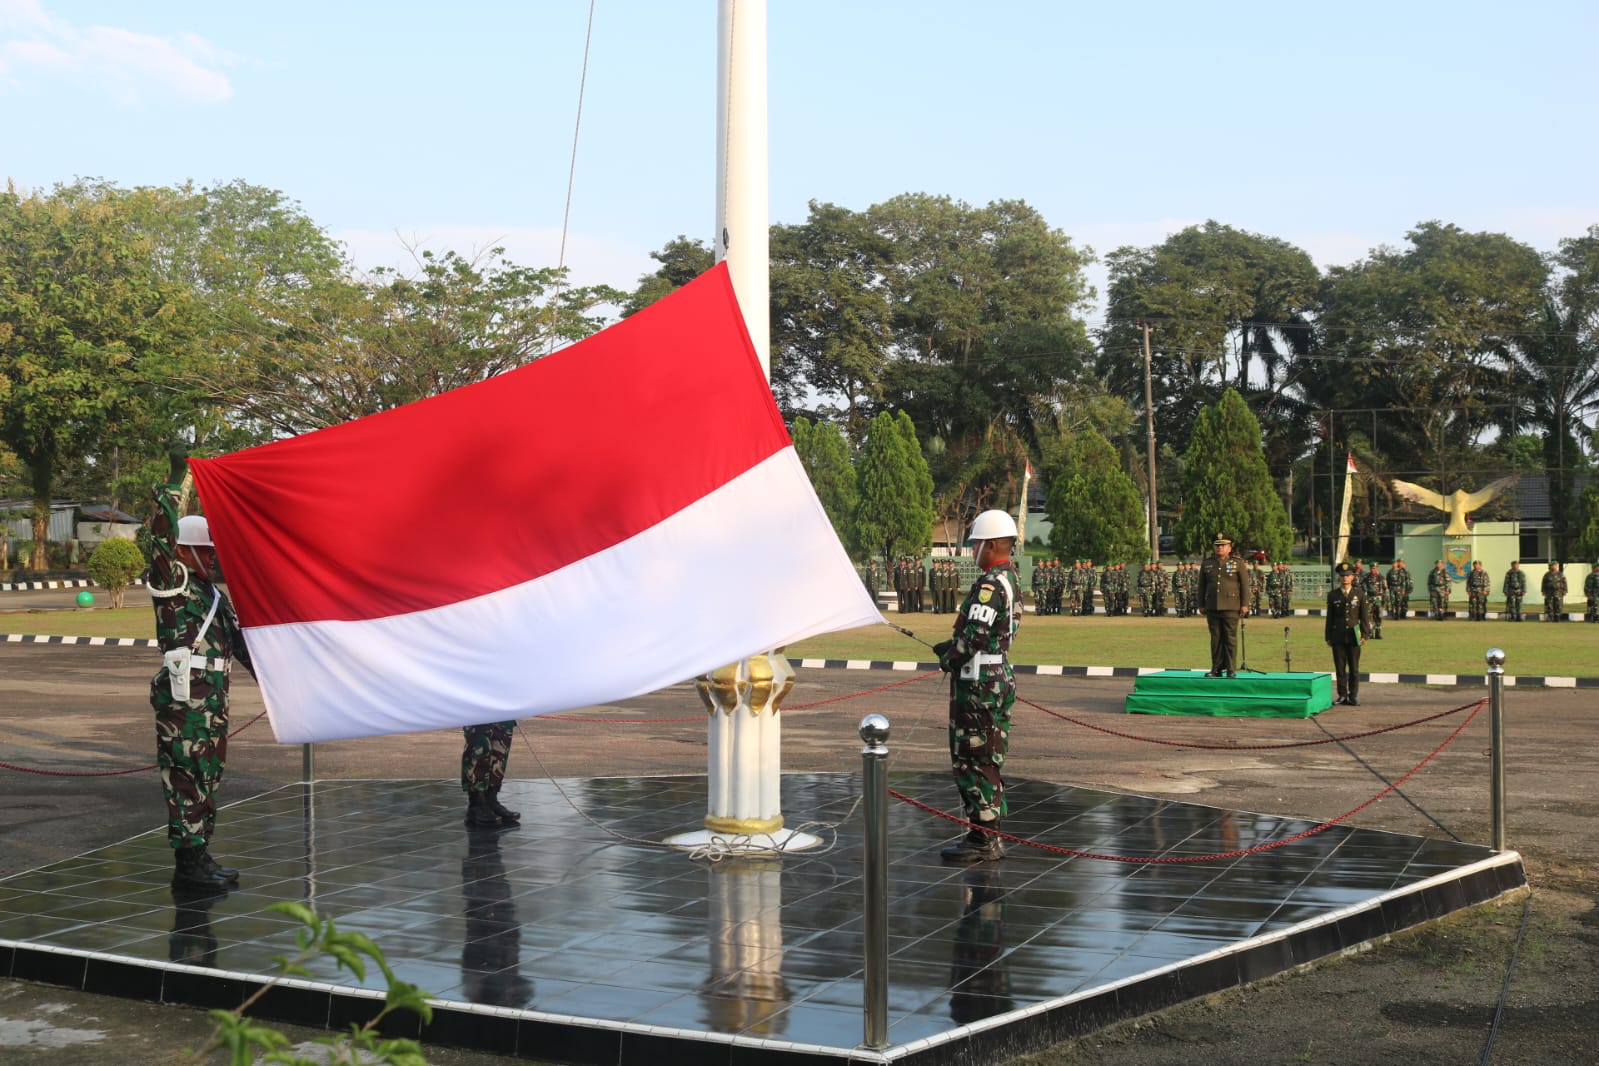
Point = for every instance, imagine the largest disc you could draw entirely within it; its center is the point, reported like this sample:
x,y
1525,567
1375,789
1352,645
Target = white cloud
x,y
590,260
132,68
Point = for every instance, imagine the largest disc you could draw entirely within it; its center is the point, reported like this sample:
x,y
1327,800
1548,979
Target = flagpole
x,y
743,730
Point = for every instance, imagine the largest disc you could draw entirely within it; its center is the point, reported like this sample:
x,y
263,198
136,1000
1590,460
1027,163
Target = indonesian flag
x,y
616,517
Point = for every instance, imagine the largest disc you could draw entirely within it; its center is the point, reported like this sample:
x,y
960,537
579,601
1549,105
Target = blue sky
x,y
1335,127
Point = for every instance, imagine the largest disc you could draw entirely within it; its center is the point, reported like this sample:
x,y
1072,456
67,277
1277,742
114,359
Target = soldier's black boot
x,y
975,846
479,815
227,873
502,812
190,871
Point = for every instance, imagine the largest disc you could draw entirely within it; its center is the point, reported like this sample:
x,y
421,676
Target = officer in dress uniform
x,y
1223,600
1345,630
1515,590
199,638
983,688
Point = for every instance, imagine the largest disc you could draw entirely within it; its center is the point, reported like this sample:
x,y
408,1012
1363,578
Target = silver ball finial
x,y
874,731
1496,659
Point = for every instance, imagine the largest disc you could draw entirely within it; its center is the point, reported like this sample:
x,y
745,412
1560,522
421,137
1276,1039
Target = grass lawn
x,y
1412,646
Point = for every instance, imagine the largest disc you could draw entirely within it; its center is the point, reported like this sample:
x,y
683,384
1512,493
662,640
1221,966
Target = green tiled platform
x,y
1249,695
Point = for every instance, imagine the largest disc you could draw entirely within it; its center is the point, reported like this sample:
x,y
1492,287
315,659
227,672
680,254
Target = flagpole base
x,y
775,842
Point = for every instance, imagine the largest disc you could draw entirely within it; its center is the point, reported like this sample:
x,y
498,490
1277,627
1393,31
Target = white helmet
x,y
991,525
194,531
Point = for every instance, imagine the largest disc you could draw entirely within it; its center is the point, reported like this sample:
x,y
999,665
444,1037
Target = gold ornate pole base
x,y
743,759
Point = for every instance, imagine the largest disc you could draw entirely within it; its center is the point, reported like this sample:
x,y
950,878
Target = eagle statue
x,y
1457,504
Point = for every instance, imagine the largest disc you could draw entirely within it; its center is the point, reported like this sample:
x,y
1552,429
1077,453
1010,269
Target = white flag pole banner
x,y
622,515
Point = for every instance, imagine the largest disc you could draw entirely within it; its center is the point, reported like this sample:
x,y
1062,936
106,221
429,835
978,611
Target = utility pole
x,y
1149,409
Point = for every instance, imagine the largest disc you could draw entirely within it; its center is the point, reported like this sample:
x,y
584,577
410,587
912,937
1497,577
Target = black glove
x,y
177,463
941,649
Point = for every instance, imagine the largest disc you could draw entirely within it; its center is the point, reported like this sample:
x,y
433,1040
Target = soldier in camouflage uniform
x,y
1515,589
1274,591
1400,586
1478,585
1590,591
983,688
1438,583
1373,584
1089,582
1554,594
199,638
483,759
1074,588
1157,588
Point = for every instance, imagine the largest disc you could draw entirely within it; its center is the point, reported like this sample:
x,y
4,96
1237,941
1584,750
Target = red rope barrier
x,y
1251,747
1183,859
111,773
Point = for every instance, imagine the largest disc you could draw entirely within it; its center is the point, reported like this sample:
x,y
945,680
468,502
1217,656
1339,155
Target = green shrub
x,y
114,564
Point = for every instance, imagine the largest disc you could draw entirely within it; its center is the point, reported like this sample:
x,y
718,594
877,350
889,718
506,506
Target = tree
x,y
825,456
1228,309
831,312
114,564
1421,338
1226,486
1554,369
682,260
348,348
986,307
83,313
1094,508
888,516
922,484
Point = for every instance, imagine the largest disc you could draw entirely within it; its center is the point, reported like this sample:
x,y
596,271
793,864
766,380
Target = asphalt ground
x,y
79,710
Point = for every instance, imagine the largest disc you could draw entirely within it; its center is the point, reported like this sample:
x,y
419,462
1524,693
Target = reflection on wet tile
x,y
562,920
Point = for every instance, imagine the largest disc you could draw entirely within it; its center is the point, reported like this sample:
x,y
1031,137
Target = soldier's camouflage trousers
x,y
191,747
1440,603
484,756
979,736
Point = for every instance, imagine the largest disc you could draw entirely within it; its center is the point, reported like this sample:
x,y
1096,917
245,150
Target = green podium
x,y
1249,695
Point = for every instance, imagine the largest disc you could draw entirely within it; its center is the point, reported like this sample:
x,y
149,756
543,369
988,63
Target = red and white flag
x,y
616,517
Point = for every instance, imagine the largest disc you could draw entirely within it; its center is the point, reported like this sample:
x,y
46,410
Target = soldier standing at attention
x,y
1590,589
1376,590
1478,585
483,759
1438,582
1223,600
983,688
1515,588
1345,630
1554,594
199,638
1399,587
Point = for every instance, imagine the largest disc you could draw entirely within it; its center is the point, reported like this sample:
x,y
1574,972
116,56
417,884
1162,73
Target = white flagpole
x,y
744,733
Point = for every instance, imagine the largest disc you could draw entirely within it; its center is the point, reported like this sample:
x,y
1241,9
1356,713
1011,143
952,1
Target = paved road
x,y
84,710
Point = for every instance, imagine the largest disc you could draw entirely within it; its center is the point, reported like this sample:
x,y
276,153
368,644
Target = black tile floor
x,y
569,939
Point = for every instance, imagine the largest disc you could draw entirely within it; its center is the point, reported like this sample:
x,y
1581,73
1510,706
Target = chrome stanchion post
x,y
1496,731
874,803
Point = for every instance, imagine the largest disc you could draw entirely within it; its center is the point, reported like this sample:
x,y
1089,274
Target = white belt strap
x,y
984,658
200,662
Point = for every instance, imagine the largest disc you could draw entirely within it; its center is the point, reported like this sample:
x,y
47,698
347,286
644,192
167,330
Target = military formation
x,y
1075,589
